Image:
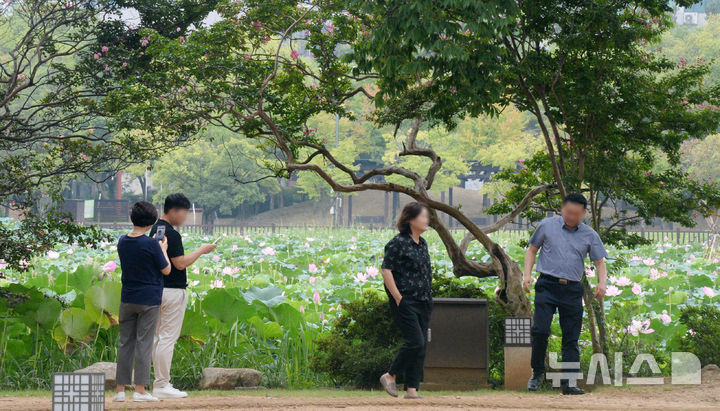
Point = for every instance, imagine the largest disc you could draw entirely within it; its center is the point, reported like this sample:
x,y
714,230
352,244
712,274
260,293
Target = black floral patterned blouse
x,y
410,265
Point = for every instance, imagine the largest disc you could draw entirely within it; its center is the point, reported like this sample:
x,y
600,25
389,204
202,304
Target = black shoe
x,y
568,390
535,381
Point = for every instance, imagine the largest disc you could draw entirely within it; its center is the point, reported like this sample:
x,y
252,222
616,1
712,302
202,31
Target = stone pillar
x,y
517,353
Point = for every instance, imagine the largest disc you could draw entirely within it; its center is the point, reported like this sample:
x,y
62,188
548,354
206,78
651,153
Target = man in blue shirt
x,y
564,241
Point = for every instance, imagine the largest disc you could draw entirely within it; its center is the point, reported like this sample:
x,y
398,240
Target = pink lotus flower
x,y
316,297
353,239
636,289
227,271
372,271
612,291
294,54
53,255
312,268
649,261
623,281
312,280
307,245
268,251
709,292
196,270
665,318
216,258
217,284
110,266
637,327
589,272
302,309
90,259
360,278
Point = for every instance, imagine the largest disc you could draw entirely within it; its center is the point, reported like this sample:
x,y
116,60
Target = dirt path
x,y
666,397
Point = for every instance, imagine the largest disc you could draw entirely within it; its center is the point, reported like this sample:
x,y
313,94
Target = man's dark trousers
x,y
552,293
413,318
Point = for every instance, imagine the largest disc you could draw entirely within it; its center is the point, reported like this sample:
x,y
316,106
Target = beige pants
x,y
169,324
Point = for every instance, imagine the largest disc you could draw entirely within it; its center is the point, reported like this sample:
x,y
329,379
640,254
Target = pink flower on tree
x,y
104,49
294,54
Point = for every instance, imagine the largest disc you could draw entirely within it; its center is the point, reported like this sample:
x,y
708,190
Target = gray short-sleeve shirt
x,y
563,250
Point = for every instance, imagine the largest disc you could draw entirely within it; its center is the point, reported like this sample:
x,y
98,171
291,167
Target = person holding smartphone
x,y
407,275
174,297
143,261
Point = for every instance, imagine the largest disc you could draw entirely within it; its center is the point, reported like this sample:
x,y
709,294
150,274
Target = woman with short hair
x,y
407,274
144,261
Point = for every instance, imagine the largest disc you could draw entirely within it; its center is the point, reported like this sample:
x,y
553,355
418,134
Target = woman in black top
x,y
408,279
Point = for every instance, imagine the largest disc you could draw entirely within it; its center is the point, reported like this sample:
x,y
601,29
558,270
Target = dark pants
x,y
137,330
413,318
567,299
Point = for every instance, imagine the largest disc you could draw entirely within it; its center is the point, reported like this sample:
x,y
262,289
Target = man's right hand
x,y
397,300
207,248
527,283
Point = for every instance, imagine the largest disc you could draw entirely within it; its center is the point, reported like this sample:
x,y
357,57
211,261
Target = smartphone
x,y
160,232
216,240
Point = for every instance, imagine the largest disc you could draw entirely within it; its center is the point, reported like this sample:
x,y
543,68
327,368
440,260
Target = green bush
x,y
703,336
364,339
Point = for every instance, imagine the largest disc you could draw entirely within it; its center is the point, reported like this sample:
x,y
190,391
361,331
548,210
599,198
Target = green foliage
x,y
212,172
365,338
703,335
35,233
362,343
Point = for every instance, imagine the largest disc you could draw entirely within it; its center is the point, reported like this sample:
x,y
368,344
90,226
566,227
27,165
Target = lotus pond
x,y
262,299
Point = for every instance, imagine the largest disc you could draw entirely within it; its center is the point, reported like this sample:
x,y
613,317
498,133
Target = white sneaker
x,y
169,391
119,397
137,397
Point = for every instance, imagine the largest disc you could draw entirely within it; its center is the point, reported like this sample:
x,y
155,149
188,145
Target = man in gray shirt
x,y
564,242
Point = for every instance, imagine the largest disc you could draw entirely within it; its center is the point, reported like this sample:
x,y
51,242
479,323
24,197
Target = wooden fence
x,y
677,236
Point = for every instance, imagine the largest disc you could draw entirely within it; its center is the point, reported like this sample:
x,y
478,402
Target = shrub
x,y
703,336
364,339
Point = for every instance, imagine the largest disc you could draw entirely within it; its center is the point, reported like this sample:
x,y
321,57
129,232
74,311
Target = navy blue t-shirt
x,y
141,260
